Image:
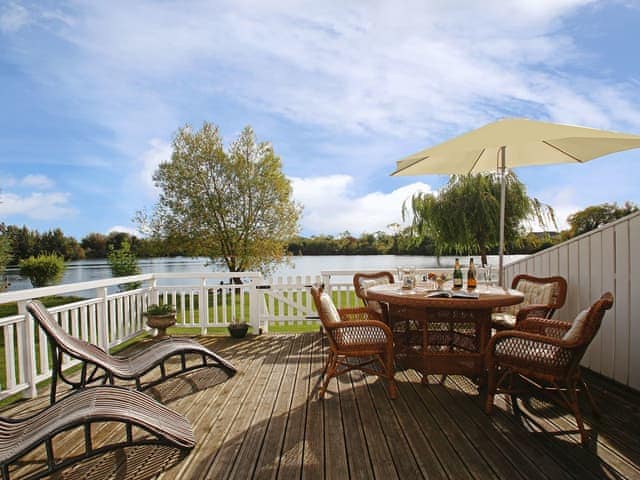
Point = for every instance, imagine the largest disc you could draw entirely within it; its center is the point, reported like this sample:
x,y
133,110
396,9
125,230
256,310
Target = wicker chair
x,y
546,353
542,297
106,367
358,340
90,406
364,281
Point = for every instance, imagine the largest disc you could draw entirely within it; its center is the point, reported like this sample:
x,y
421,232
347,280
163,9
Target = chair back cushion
x,y
578,329
329,311
534,294
364,281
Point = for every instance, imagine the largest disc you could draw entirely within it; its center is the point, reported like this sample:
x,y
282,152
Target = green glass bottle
x,y
457,275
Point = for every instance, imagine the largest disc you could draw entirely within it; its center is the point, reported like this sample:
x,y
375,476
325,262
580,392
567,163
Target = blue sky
x,y
93,92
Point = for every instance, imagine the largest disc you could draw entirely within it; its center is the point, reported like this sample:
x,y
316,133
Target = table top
x,y
489,297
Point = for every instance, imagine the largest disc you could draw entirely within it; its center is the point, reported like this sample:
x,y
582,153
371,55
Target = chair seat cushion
x,y
503,320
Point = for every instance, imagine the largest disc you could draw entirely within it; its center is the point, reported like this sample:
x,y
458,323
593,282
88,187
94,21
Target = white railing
x,y
109,318
605,259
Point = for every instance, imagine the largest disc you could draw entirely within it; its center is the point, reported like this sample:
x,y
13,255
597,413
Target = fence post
x,y
255,297
326,281
103,317
28,351
155,294
203,307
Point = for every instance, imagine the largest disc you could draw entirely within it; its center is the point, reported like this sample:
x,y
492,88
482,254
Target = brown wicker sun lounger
x,y
106,367
162,425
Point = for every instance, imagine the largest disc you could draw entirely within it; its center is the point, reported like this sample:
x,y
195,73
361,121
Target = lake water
x,y
86,270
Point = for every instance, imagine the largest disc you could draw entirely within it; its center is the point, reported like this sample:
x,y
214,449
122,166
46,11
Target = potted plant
x,y
161,317
238,329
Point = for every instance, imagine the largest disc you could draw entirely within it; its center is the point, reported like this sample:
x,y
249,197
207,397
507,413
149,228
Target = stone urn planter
x,y
238,330
160,317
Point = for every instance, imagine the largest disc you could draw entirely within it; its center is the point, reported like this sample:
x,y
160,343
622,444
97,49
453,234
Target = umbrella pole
x,y
502,169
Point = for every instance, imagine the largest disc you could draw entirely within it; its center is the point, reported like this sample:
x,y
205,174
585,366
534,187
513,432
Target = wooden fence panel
x,y
622,306
605,259
634,310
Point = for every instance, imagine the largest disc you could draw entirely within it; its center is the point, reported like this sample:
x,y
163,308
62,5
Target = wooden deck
x,y
266,422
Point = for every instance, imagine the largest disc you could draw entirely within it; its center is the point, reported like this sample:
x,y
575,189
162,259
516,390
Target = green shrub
x,y
163,309
5,252
5,257
123,262
45,269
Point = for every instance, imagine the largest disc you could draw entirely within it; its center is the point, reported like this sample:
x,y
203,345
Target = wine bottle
x,y
457,275
471,275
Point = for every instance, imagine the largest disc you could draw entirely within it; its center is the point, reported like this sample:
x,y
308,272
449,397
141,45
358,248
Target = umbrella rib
x,y
562,151
410,165
475,162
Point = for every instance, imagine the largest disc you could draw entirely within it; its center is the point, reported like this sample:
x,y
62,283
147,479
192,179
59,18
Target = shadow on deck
x,y
266,422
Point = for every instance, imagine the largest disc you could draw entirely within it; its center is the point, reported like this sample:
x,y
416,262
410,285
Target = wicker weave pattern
x,y
129,368
359,334
96,404
540,350
523,351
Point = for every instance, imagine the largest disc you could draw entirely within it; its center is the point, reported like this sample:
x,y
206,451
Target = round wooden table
x,y
442,335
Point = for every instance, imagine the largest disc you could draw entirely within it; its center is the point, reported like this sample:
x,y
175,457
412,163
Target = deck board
x,y
267,422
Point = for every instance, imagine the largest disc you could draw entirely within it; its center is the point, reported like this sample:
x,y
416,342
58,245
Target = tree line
x,y
22,242
236,204
17,243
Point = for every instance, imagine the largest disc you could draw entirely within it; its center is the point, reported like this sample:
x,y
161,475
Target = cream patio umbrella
x,y
514,142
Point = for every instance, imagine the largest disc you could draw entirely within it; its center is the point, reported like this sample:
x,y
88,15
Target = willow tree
x,y
234,204
464,216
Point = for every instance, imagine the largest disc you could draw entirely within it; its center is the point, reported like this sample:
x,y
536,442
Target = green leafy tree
x,y
464,217
595,216
56,241
24,242
45,269
123,262
95,245
5,258
5,252
234,204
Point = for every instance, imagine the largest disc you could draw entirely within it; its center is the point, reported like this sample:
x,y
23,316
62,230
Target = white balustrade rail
x,y
605,259
109,317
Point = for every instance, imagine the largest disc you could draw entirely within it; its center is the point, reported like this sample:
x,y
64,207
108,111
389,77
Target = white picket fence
x,y
605,259
110,317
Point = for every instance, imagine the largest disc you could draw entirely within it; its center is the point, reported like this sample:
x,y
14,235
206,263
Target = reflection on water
x,y
86,270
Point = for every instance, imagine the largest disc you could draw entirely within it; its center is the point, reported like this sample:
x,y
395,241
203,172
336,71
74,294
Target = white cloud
x,y
37,206
418,68
331,207
159,151
37,181
129,230
13,17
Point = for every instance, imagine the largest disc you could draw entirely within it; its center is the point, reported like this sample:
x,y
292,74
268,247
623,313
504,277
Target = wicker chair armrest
x,y
533,310
544,326
361,324
358,314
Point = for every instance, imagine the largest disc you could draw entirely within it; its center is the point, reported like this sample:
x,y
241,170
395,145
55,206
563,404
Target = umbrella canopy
x,y
514,142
